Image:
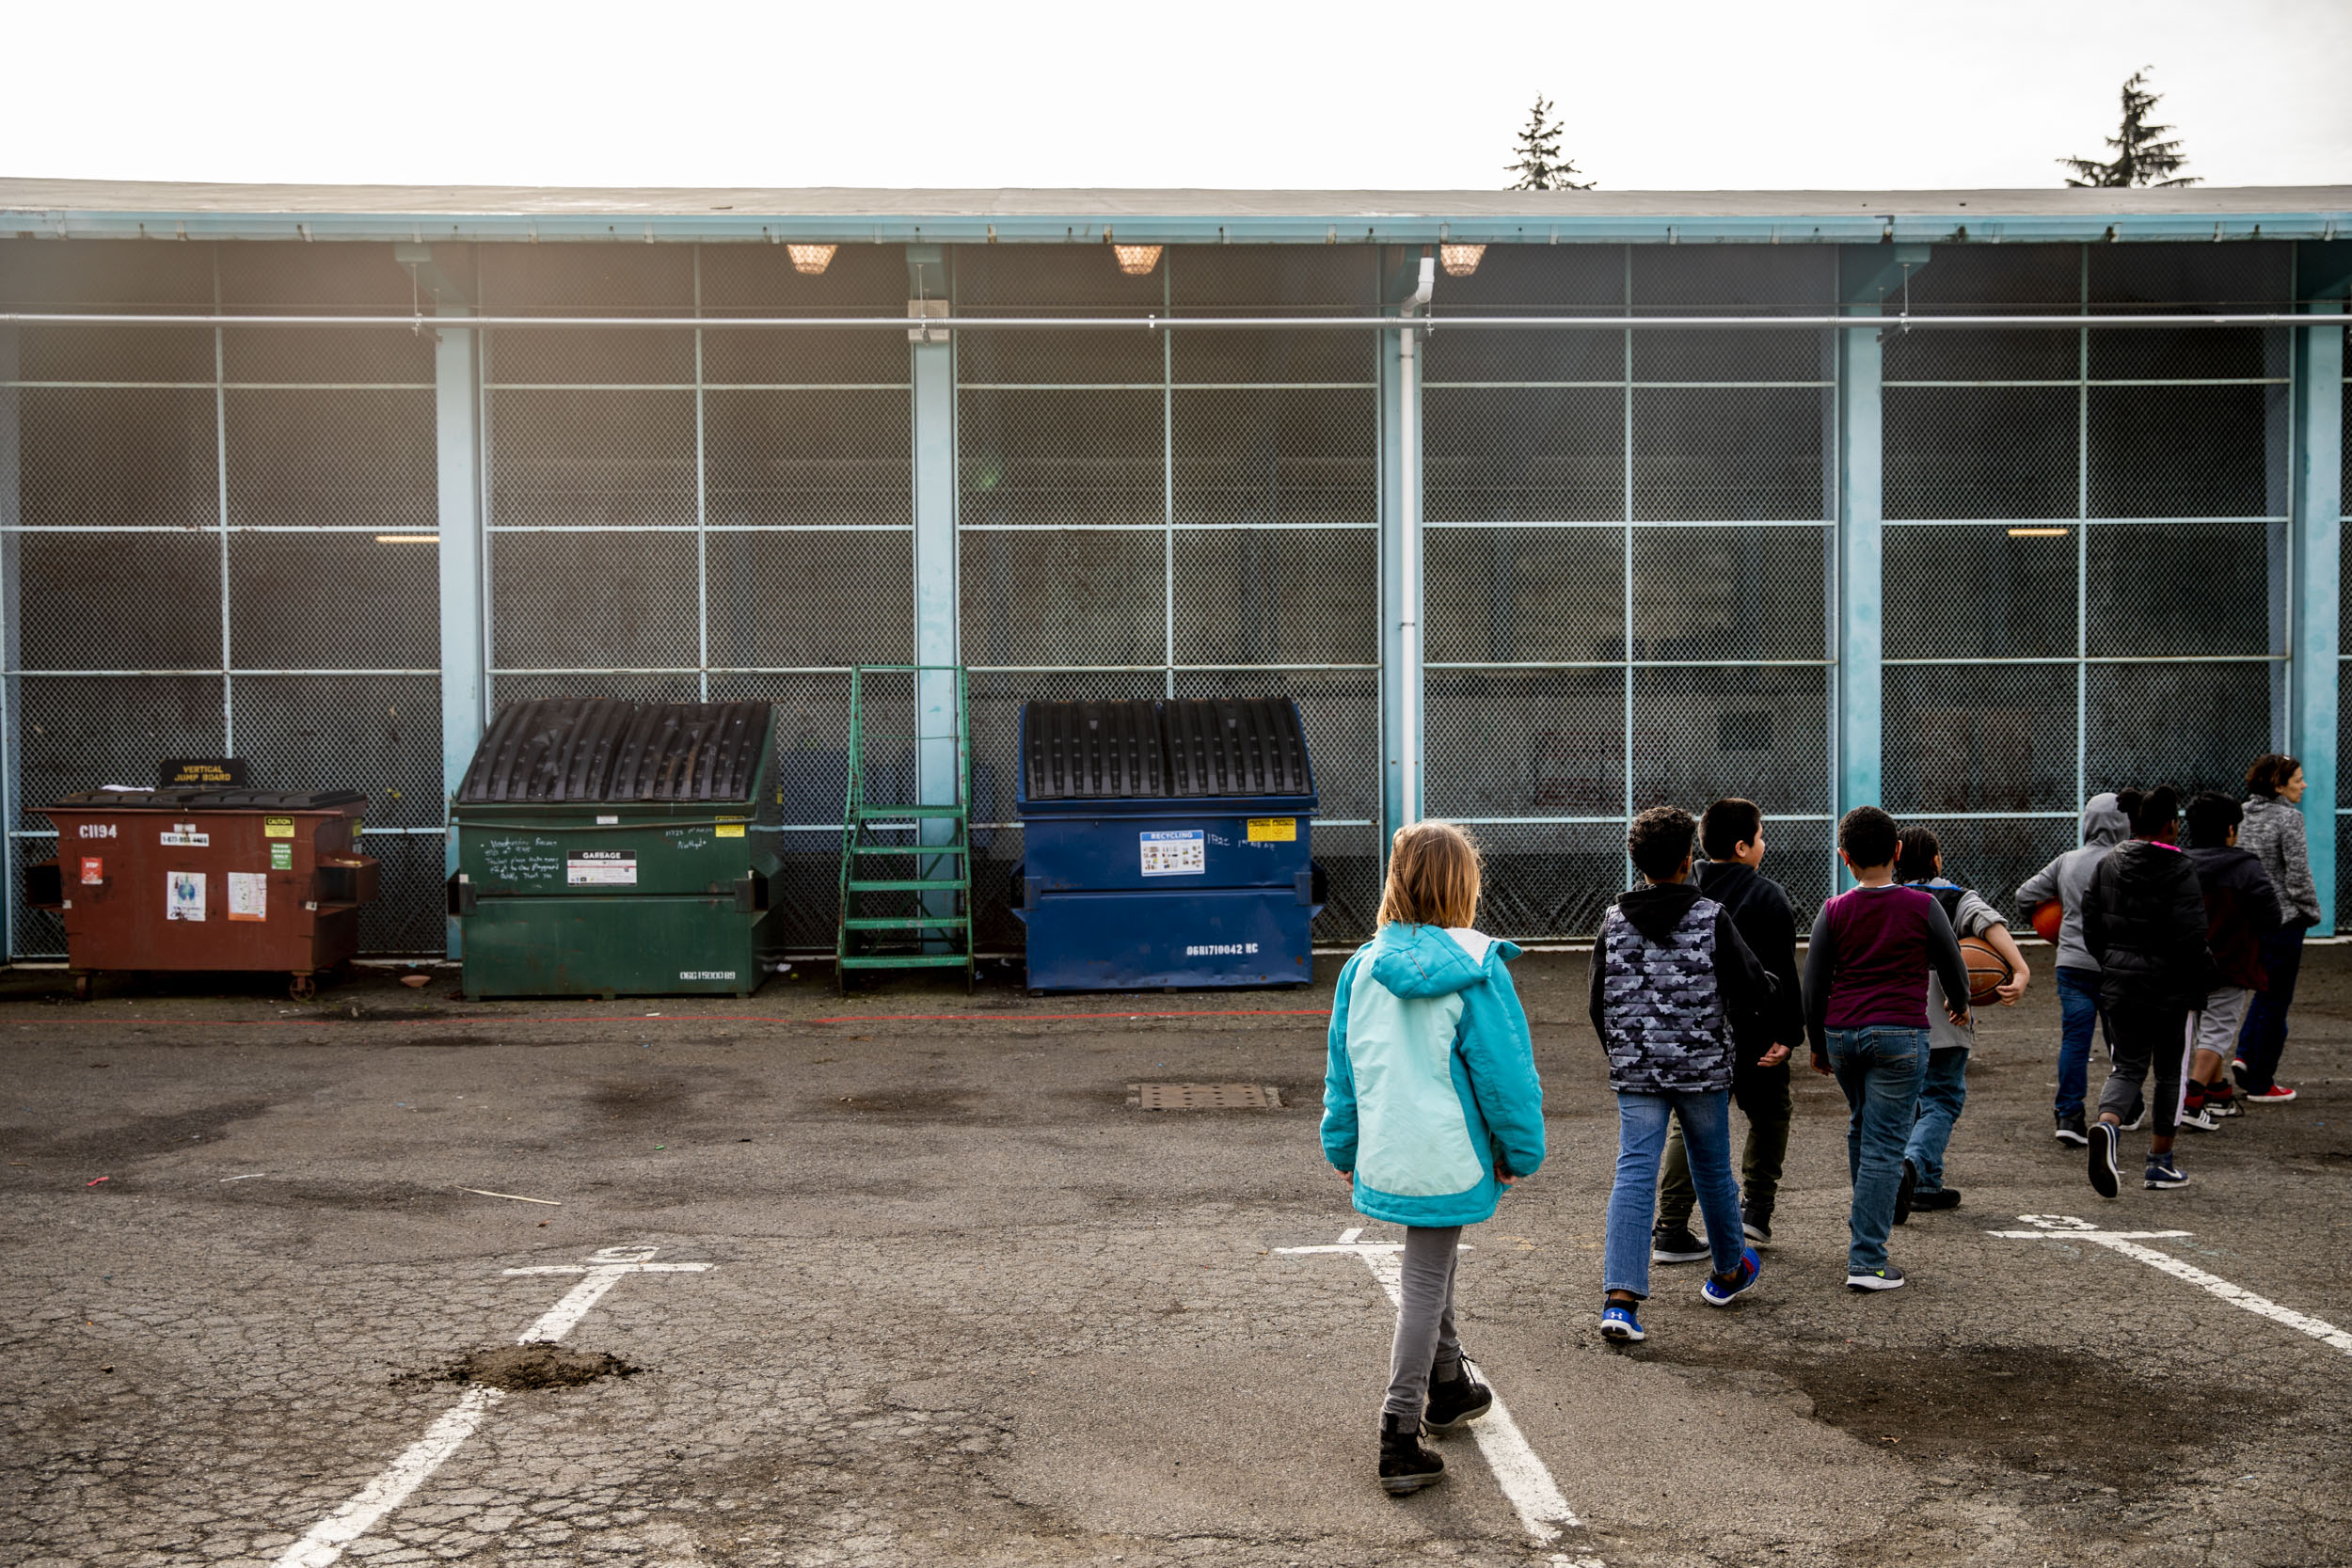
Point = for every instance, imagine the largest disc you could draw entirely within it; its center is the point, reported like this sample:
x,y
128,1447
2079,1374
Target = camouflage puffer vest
x,y
1665,1016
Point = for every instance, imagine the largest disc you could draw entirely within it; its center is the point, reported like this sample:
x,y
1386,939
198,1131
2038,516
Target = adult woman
x,y
2273,831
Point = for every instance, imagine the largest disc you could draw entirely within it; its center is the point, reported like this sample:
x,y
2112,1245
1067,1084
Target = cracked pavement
x,y
966,1306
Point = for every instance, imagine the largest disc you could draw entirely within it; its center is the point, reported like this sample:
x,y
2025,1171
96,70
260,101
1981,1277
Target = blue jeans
x,y
2265,1036
1879,1068
1633,1202
2078,1009
1942,1093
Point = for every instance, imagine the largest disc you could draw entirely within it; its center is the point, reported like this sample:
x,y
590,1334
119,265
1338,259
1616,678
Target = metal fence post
x,y
2324,272
1866,274
465,561
1403,652
937,614
11,657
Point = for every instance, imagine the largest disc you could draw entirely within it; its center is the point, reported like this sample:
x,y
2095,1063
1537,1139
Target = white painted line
x,y
2066,1227
387,1491
1524,1477
328,1539
517,1198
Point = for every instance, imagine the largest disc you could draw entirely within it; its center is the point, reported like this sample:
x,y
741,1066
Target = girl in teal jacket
x,y
1431,1105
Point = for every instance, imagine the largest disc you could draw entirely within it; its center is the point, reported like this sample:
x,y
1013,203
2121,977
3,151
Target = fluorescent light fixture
x,y
1460,261
1137,259
407,538
2039,533
811,259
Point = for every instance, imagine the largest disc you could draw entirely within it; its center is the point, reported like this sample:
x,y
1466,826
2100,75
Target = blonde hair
x,y
1433,877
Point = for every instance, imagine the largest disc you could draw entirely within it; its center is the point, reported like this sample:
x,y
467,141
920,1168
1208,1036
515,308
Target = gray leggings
x,y
1426,1344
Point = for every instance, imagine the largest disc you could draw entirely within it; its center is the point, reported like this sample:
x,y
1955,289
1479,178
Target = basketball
x,y
2046,918
1987,970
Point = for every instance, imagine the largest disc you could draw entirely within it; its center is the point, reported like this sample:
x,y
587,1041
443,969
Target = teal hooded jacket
x,y
1431,1087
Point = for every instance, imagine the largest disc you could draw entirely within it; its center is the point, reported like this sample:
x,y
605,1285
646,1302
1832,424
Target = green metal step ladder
x,y
906,828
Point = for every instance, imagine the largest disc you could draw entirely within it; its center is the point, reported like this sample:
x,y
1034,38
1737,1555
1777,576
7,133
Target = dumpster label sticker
x,y
184,896
1182,853
730,830
706,974
613,821
278,827
248,896
98,830
93,870
1221,950
281,857
1273,830
184,835
601,868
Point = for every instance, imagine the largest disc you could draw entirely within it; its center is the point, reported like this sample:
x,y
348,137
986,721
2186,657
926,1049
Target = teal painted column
x,y
1866,274
1403,652
465,547
2323,272
931,370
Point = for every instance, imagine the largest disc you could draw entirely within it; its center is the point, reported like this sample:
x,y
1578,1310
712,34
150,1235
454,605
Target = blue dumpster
x,y
1166,843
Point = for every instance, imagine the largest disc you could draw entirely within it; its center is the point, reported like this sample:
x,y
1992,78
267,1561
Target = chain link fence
x,y
2086,544
224,540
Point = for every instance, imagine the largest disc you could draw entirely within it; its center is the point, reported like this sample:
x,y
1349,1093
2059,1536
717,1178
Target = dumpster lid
x,y
1154,749
605,749
208,800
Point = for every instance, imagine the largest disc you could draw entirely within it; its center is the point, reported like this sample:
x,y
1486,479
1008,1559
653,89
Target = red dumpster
x,y
206,879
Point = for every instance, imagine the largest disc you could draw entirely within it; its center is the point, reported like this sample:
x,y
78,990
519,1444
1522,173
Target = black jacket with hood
x,y
1766,917
2241,909
2144,920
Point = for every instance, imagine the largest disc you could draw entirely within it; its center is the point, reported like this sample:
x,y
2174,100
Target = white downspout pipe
x,y
1408,539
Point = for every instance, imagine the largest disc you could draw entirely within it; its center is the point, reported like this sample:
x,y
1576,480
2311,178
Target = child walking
x,y
1866,1010
2241,911
1432,1106
2144,920
1944,1091
2065,880
1672,980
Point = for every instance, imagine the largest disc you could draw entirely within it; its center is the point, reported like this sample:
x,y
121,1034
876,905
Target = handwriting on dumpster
x,y
532,859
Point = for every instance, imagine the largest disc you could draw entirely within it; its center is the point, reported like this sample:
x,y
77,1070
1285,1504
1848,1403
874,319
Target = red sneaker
x,y
2277,1094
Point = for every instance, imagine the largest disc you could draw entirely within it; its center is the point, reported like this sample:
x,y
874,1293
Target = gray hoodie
x,y
2273,834
2067,876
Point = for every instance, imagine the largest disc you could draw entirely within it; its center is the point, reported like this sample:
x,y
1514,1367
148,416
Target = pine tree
x,y
2143,157
1540,168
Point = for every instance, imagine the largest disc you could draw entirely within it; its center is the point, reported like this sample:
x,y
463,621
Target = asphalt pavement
x,y
959,1302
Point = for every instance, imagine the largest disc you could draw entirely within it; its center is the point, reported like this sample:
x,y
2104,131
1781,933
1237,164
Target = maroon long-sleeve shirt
x,y
1868,964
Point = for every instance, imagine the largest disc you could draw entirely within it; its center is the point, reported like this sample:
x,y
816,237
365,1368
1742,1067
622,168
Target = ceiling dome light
x,y
1137,259
811,259
1460,261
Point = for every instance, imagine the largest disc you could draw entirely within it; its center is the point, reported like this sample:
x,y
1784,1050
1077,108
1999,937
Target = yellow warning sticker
x,y
278,827
730,830
1273,830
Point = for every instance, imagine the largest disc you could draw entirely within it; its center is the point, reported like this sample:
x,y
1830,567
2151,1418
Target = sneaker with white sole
x,y
2072,1132
2199,1120
1676,1246
2163,1172
1888,1279
2103,1178
2277,1094
1723,1290
1618,1323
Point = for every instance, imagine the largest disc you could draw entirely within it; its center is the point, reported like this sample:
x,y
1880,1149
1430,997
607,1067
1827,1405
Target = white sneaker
x,y
2201,1121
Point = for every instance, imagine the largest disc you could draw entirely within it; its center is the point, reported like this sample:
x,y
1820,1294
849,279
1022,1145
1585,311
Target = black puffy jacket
x,y
2144,920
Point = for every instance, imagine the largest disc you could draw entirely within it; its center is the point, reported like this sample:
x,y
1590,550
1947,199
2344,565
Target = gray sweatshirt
x,y
2273,834
2067,877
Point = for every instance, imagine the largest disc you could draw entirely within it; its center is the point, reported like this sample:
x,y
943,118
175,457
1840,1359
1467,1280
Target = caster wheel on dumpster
x,y
303,988
81,984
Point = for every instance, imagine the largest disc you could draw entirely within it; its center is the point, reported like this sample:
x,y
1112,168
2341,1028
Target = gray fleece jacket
x,y
2273,834
2067,877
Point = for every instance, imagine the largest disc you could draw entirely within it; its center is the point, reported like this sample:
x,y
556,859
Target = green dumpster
x,y
617,849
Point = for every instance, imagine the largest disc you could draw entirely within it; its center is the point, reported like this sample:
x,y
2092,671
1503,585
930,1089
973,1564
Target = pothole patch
x,y
519,1369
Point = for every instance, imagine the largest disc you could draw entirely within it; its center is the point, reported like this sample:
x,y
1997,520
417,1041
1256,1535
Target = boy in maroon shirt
x,y
1866,1012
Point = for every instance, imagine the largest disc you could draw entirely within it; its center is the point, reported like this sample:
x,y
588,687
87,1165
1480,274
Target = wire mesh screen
x,y
1189,515
2101,513
1625,589
224,547
705,514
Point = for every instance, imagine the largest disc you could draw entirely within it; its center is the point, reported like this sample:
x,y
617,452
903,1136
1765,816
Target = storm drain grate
x,y
1204,1097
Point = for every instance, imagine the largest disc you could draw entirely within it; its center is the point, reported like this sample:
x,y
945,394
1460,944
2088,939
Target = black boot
x,y
1405,1465
1454,1403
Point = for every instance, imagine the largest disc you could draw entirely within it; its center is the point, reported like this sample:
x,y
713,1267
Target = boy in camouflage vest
x,y
1670,977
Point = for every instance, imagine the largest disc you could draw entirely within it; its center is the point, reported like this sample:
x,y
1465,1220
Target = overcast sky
x,y
1698,95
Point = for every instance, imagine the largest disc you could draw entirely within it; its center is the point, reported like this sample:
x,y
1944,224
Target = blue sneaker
x,y
1618,1323
1721,1290
2163,1172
